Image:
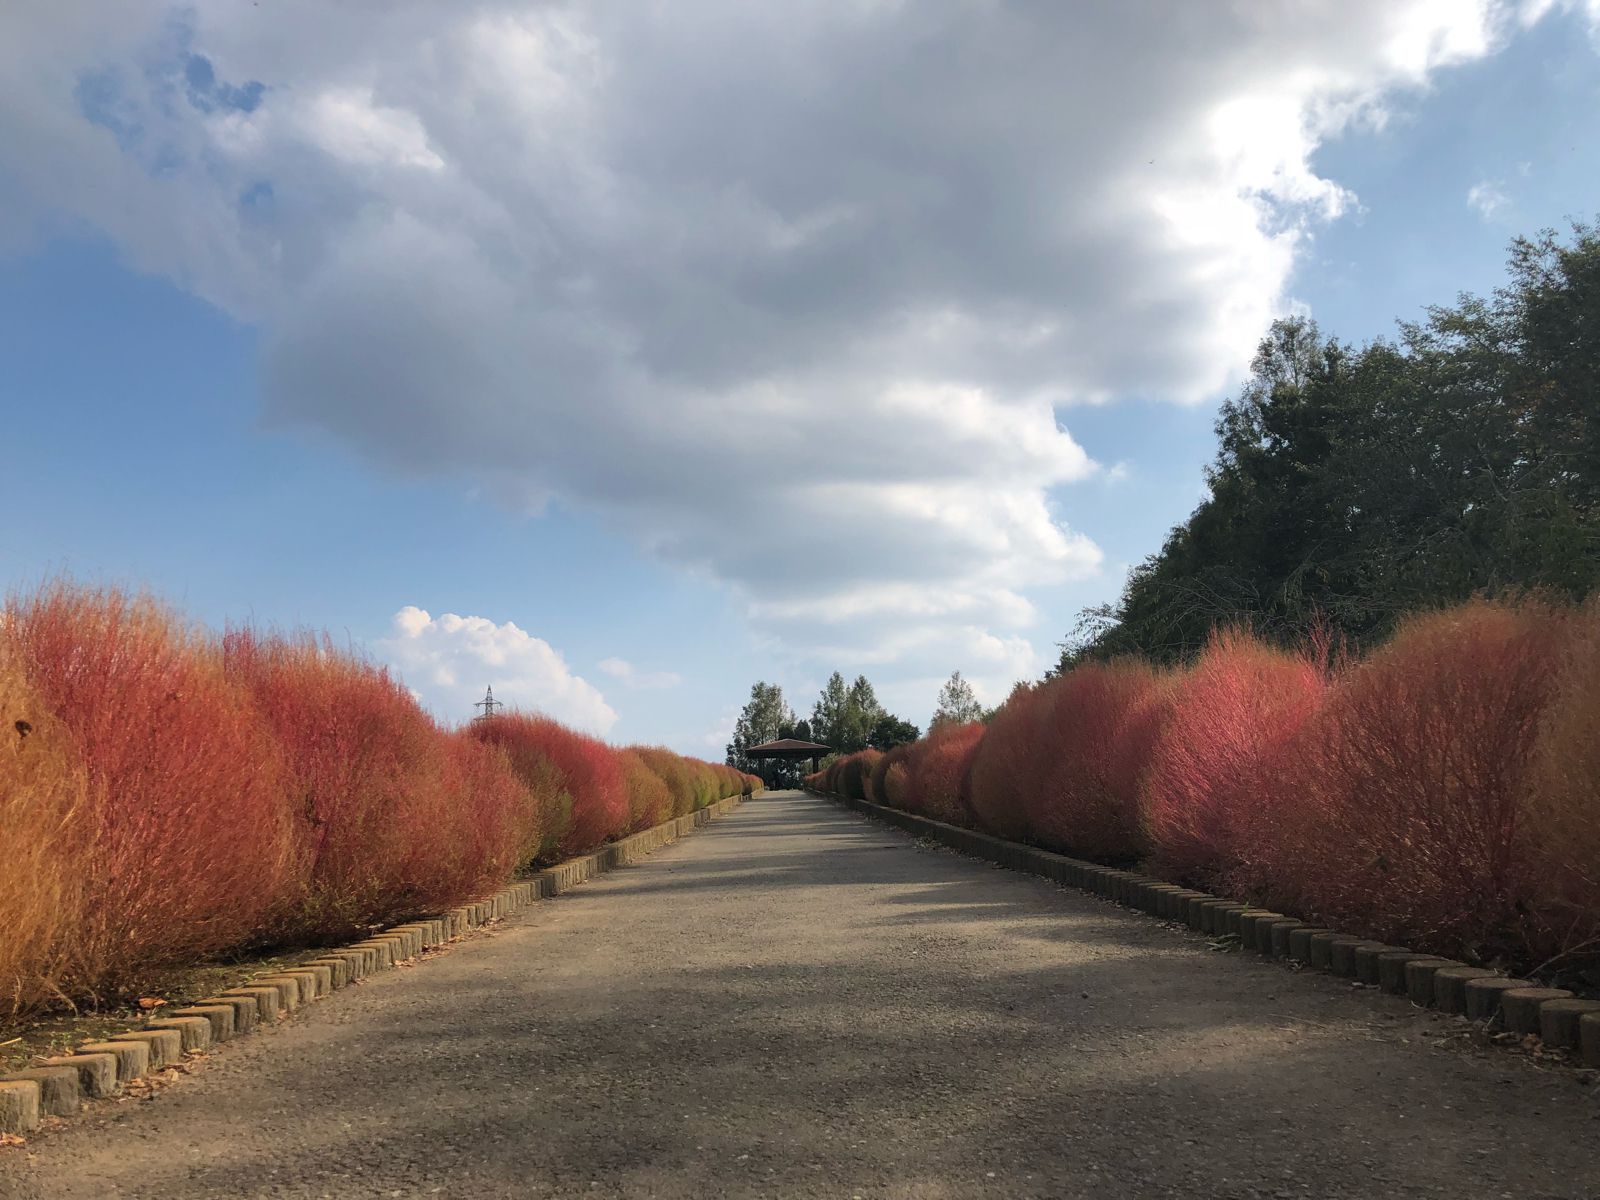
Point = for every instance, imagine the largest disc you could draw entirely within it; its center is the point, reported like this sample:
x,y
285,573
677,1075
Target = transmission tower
x,y
489,705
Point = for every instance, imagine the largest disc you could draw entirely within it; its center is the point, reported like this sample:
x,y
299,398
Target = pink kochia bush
x,y
168,796
1099,727
1443,792
1007,765
937,768
1414,796
1215,769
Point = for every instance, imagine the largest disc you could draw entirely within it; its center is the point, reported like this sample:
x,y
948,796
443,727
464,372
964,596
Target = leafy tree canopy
x,y
890,731
957,703
765,718
1355,484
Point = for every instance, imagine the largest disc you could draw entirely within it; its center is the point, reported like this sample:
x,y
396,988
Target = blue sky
x,y
891,366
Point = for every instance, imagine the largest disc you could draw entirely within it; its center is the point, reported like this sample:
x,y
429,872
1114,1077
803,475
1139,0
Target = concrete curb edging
x,y
58,1086
1516,1005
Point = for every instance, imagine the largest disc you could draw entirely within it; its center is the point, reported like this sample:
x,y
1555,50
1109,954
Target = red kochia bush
x,y
1214,774
483,821
938,767
366,767
1097,725
586,769
546,801
1007,775
1409,794
184,839
594,780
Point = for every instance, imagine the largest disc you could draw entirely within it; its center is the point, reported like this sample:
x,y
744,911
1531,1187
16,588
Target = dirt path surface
x,y
797,1002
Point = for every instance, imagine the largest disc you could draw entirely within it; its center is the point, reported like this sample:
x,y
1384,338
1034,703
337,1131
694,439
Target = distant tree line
x,y
1353,485
846,718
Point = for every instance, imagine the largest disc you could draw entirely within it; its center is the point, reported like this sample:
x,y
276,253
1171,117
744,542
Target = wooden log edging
x,y
1514,1005
58,1086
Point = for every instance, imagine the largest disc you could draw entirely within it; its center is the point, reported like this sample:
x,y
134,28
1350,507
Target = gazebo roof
x,y
788,748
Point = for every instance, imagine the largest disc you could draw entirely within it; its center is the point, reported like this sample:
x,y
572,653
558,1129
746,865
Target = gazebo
x,y
790,750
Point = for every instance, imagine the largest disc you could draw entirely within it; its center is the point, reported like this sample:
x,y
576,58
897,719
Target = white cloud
x,y
1530,12
790,294
347,123
717,738
636,680
1488,199
449,660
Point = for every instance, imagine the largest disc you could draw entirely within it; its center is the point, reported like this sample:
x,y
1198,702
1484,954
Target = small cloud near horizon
x,y
635,680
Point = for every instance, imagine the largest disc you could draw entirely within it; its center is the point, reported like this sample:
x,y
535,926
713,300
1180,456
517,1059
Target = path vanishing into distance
x,y
798,1002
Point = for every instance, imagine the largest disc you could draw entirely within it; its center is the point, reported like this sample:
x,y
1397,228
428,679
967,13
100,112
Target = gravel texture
x,y
798,1002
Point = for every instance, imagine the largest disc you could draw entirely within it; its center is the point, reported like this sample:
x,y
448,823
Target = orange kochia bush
x,y
650,800
42,807
183,826
1562,822
676,772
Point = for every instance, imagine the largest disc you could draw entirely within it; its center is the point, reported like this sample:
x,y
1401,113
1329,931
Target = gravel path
x,y
797,1002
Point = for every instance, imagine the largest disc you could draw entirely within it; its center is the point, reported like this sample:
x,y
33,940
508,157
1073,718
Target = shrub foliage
x,y
1443,791
168,796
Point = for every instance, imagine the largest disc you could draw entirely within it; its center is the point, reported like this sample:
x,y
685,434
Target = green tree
x,y
765,718
829,714
890,731
849,717
957,703
861,713
1354,485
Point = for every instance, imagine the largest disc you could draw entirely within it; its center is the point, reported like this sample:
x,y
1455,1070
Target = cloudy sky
x,y
620,354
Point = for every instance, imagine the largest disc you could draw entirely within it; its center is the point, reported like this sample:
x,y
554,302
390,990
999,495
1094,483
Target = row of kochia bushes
x,y
1442,791
168,796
